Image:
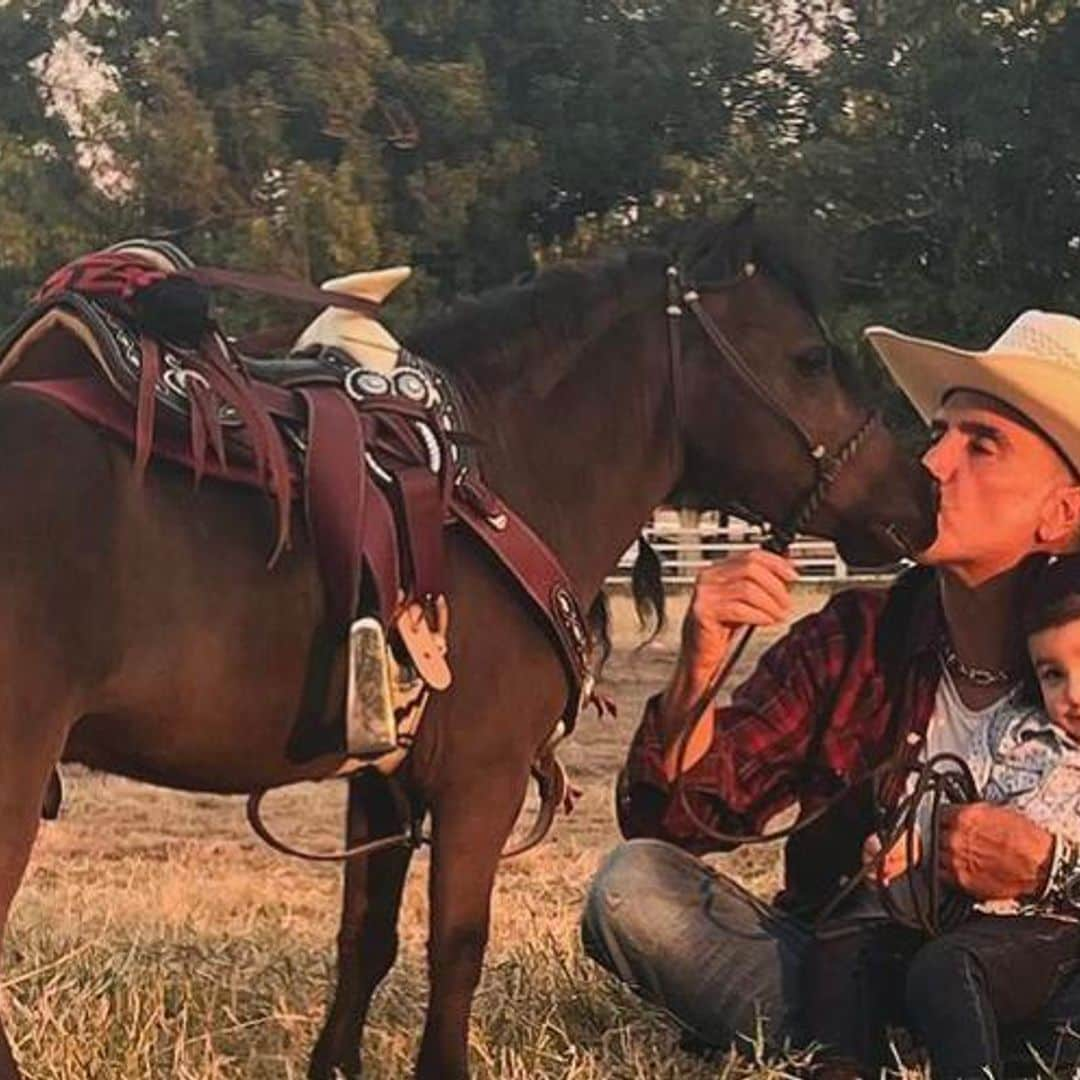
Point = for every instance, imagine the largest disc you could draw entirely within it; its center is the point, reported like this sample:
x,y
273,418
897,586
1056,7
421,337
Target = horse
x,y
142,633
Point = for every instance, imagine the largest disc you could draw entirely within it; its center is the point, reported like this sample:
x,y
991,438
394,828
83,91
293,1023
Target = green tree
x,y
581,105
938,149
48,207
247,138
323,135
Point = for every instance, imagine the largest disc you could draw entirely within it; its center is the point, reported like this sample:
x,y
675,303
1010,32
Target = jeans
x,y
988,973
953,991
729,967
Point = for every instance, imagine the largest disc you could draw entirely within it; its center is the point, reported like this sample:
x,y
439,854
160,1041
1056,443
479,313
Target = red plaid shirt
x,y
826,703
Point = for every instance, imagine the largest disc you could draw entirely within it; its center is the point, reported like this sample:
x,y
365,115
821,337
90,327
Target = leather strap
x,y
335,484
381,553
285,288
146,404
421,506
537,572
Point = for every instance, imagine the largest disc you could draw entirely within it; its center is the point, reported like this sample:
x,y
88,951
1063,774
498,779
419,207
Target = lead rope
x,y
944,779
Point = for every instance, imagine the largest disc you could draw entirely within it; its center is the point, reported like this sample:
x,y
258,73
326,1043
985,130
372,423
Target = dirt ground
x,y
156,936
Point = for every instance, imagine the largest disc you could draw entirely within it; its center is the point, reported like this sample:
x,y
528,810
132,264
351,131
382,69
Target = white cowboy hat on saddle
x,y
1034,367
360,336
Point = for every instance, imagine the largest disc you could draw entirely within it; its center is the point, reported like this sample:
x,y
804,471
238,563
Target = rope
x,y
944,779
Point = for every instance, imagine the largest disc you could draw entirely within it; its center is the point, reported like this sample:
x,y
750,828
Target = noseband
x,y
827,466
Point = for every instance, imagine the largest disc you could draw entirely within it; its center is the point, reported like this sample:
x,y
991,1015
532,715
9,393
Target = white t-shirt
x,y
953,726
956,728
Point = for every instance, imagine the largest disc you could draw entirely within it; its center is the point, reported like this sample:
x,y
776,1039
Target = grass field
x,y
154,936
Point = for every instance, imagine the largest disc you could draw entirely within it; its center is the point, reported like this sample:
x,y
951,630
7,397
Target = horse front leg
x,y
30,745
470,825
367,940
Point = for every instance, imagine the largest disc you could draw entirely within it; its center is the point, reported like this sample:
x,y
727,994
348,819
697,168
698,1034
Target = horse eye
x,y
813,361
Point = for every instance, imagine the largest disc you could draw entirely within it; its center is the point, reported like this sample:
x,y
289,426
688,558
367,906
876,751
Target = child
x,y
1002,964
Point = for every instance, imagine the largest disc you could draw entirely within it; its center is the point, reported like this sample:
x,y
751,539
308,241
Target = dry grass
x,y
155,937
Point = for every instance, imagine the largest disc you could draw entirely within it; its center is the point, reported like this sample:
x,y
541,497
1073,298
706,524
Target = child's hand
x,y
895,861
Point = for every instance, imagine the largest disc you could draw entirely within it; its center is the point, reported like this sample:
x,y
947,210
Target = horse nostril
x,y
930,505
934,494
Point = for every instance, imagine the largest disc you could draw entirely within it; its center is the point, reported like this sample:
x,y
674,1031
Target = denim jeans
x,y
988,973
728,967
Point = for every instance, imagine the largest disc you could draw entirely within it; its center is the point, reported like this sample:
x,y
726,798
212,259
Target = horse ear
x,y
741,236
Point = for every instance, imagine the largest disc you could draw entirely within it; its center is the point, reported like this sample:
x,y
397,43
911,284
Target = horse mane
x,y
537,325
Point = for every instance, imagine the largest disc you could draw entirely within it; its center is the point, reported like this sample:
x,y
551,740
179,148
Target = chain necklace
x,y
977,676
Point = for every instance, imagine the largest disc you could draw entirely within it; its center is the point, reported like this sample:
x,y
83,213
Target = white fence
x,y
686,543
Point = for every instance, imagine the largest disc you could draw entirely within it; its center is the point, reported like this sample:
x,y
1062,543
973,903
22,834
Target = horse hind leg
x,y
59,513
368,939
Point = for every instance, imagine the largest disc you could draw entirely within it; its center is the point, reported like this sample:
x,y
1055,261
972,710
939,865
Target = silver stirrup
x,y
370,727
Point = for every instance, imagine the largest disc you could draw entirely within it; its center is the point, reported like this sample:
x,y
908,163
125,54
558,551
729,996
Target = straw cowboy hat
x,y
1034,367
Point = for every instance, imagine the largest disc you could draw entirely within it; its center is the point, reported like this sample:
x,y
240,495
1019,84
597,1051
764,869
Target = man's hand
x,y
993,852
895,861
751,589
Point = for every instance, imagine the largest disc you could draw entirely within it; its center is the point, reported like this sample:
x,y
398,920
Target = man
x,y
842,692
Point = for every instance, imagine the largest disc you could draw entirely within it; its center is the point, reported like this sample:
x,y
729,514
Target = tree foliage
x,y
48,207
939,151
934,146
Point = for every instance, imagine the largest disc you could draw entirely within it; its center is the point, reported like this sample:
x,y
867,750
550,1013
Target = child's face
x,y
1055,655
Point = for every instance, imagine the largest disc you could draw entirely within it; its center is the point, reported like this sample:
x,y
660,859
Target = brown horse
x,y
141,632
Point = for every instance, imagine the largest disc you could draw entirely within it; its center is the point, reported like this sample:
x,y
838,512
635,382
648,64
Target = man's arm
x,y
747,590
745,759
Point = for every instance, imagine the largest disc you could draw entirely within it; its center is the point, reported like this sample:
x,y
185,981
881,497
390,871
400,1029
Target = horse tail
x,y
647,589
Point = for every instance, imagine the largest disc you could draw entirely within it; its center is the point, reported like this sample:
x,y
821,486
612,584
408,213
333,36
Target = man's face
x,y
996,475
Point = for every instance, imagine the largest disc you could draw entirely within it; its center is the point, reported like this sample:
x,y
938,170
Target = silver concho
x,y
412,386
361,383
568,612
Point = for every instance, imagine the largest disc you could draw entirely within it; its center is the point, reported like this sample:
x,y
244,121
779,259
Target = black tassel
x,y
174,309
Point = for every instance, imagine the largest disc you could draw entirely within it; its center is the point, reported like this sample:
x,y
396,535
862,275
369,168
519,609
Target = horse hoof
x,y
322,1068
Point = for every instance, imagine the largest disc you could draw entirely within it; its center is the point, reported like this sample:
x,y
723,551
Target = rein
x,y
827,468
944,779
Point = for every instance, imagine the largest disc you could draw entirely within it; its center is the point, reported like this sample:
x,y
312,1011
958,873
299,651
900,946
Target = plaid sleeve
x,y
761,740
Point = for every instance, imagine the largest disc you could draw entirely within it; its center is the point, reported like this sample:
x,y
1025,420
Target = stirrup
x,y
370,725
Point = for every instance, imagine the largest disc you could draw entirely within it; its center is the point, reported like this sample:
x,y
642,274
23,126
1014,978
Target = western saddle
x,y
360,432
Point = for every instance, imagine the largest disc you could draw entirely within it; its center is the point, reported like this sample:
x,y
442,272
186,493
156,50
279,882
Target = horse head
x,y
821,458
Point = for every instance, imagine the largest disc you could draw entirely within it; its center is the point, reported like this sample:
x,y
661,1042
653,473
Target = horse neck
x,y
586,464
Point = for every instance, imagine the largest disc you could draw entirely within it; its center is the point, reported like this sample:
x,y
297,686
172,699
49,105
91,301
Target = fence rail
x,y
685,545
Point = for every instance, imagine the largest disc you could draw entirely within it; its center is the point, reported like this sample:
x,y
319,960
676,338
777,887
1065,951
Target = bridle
x,y
827,465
